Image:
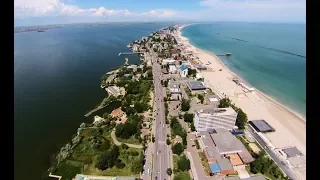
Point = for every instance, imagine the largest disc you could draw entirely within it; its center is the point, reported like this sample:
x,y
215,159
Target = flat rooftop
x,y
217,111
235,159
225,164
226,142
292,152
196,85
213,98
261,126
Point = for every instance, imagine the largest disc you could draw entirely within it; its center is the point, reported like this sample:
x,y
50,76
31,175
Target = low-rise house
x,y
196,85
133,67
213,99
118,113
97,120
225,166
174,88
113,90
183,70
172,69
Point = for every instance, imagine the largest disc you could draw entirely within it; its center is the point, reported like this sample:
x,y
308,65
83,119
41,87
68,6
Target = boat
x,y
41,31
228,54
119,54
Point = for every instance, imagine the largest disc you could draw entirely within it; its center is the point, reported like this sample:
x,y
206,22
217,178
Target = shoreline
x,y
272,99
281,115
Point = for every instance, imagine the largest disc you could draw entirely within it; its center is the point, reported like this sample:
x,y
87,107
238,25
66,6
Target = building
x,y
174,88
215,168
215,118
213,99
168,61
172,69
221,143
234,159
227,143
118,113
90,177
196,85
261,126
113,90
183,70
225,166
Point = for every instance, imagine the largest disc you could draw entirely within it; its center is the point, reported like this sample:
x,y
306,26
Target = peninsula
x,y
182,114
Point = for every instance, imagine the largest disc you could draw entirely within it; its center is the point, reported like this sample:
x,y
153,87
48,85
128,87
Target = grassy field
x,y
84,157
182,176
175,162
131,140
69,169
125,156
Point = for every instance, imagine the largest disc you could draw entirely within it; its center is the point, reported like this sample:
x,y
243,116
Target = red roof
x,y
179,58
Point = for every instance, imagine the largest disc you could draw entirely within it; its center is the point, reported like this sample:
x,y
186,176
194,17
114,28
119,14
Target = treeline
x,y
176,129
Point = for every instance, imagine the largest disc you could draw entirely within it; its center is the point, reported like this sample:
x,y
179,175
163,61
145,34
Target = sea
x,y
57,76
270,57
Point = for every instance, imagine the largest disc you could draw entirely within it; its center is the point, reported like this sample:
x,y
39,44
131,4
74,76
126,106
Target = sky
x,y
42,12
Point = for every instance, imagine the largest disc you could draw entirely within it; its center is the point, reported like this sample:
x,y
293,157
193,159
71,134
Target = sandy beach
x,y
290,126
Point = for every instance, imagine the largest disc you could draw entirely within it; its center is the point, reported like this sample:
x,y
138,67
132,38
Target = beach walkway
x,y
114,138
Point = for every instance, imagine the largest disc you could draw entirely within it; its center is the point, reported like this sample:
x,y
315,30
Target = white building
x,y
215,118
113,90
168,61
172,69
183,71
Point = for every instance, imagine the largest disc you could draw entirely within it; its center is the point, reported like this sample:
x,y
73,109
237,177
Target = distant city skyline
x,y
44,12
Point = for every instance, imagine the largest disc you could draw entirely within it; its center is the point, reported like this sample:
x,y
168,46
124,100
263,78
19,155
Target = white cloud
x,y
40,8
254,4
256,10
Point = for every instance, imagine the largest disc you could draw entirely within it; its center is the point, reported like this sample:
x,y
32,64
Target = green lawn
x,y
131,140
125,158
175,161
182,176
68,169
84,157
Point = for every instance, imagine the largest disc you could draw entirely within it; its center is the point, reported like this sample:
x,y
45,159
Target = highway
x,y
160,162
273,155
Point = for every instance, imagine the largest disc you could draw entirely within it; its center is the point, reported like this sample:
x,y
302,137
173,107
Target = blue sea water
x,y
277,74
57,80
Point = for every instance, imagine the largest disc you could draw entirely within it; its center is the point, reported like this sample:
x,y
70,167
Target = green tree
x,y
224,103
185,105
168,142
242,119
124,146
192,127
169,171
177,148
188,117
119,164
182,176
201,98
183,163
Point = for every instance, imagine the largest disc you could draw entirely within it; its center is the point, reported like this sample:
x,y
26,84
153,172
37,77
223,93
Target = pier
x,y
130,53
94,110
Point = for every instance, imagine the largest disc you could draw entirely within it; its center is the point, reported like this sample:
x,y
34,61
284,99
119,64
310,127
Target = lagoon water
x,y
277,74
57,80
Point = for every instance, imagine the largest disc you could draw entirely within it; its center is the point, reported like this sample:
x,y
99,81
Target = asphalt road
x,y
272,154
160,163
